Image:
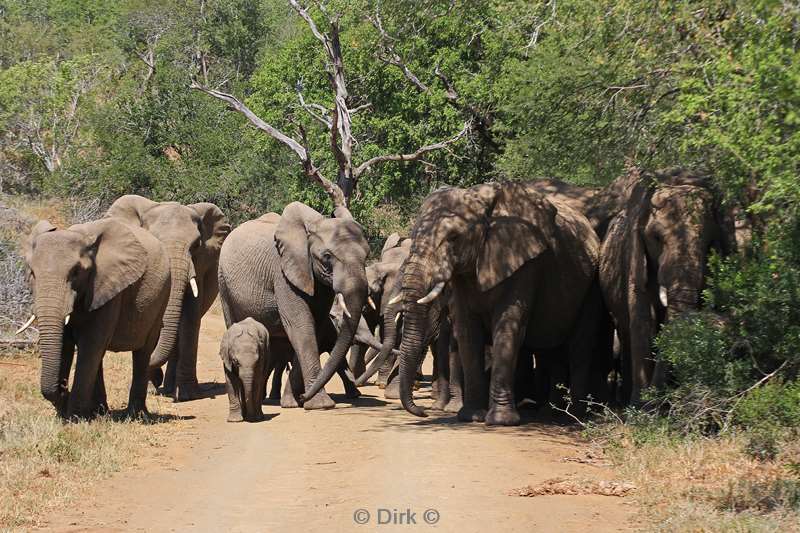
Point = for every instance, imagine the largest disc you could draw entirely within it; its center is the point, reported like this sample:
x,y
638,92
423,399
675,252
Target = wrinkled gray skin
x,y
193,236
245,353
383,277
653,262
113,282
522,271
284,271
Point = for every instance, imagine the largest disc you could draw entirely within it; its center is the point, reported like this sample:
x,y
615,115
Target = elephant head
x,y
244,350
658,246
320,254
75,271
384,284
488,231
192,236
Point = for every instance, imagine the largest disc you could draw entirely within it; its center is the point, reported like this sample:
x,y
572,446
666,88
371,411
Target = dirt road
x,y
367,460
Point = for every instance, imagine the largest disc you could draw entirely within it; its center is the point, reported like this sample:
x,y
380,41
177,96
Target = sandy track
x,y
318,468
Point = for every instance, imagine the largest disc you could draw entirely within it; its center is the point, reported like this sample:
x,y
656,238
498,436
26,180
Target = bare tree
x,y
338,120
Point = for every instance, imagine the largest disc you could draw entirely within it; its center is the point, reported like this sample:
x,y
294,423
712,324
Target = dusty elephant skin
x,y
384,277
97,286
523,273
657,231
192,236
286,271
653,262
244,350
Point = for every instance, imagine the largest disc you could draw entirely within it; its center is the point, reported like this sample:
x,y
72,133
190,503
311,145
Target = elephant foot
x,y
321,400
139,412
440,403
470,414
288,401
502,416
454,405
352,393
255,417
274,394
392,390
185,392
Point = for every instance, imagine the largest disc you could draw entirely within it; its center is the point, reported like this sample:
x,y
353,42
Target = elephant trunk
x,y
251,400
51,310
414,335
352,285
181,269
682,299
389,341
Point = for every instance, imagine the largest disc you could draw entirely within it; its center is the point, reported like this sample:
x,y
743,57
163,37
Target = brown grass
x,y
44,463
710,484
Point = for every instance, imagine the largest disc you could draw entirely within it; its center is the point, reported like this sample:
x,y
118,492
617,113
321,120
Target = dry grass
x,y
44,463
710,484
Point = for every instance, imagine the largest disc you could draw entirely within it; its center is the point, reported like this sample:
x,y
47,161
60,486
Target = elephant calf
x,y
244,352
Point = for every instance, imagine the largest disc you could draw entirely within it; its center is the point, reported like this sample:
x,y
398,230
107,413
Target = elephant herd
x,y
517,288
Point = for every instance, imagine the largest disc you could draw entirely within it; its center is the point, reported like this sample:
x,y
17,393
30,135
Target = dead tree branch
x,y
311,171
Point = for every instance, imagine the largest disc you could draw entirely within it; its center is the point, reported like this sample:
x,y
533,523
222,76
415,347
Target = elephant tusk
x,y
431,296
396,299
397,318
66,320
26,325
371,302
193,285
662,295
340,303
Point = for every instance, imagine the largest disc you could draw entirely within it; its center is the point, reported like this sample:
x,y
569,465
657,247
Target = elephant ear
x,y
43,226
225,350
213,225
130,208
391,242
521,226
120,258
291,241
376,276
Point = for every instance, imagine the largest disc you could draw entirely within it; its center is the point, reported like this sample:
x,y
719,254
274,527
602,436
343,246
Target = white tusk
x,y
340,302
66,320
371,302
26,325
193,285
662,295
395,299
397,318
534,361
431,296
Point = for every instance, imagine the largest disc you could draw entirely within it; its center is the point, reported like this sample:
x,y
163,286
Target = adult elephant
x,y
193,236
522,270
286,271
98,286
653,261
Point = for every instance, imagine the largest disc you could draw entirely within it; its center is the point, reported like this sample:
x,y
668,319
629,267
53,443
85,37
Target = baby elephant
x,y
244,351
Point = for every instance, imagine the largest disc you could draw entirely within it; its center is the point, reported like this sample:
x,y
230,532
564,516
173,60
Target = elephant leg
x,y
170,373
293,388
99,399
471,341
392,390
86,370
137,396
356,362
186,386
277,377
234,403
67,356
385,371
524,378
299,324
441,371
456,401
350,389
507,336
